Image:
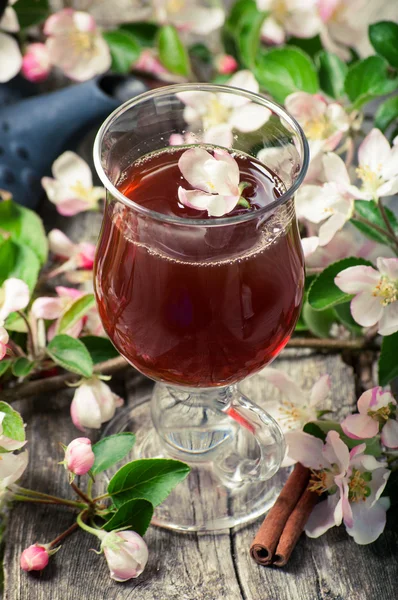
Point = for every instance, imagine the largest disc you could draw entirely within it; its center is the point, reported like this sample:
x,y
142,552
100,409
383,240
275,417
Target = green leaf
x,y
321,428
388,363
384,39
22,367
368,79
135,514
248,37
25,227
172,52
13,426
70,354
387,113
76,311
150,478
31,12
17,260
14,322
201,52
332,72
310,46
300,325
282,71
323,292
124,49
318,322
100,348
367,209
110,450
143,33
343,314
5,363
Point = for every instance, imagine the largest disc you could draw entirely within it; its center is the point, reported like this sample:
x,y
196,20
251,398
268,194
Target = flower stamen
x,y
386,290
358,490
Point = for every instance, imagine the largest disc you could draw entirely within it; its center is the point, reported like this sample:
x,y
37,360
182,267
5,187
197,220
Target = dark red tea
x,y
196,305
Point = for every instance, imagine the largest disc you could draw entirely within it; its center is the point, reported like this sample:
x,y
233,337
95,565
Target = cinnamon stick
x,y
293,528
264,544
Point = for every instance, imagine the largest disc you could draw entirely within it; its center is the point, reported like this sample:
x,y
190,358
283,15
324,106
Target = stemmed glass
x,y
200,304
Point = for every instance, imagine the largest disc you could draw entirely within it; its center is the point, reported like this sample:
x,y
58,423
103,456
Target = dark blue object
x,y
35,131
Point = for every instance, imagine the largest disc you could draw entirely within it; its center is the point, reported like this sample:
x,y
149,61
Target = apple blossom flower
x,y
36,64
94,403
189,16
376,294
287,18
378,166
148,62
126,554
331,204
71,188
216,179
53,307
76,256
219,114
298,406
11,57
353,480
226,64
75,45
321,120
14,295
3,342
375,408
34,558
79,456
11,467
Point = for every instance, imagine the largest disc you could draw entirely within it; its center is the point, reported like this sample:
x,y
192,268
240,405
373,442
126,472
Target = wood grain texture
x,y
190,567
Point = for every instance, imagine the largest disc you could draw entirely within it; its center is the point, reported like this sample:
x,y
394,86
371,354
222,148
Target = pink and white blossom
x,y
36,64
34,558
71,187
75,45
126,554
75,256
149,63
376,294
215,179
3,342
79,456
14,295
297,18
219,114
189,15
11,468
378,166
353,480
11,57
331,204
93,403
376,408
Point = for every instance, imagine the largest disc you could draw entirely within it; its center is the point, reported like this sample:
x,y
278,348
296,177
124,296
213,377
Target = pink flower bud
x,y
36,63
34,558
226,64
126,554
79,457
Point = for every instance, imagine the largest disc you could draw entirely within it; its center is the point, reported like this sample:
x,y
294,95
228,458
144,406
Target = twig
x,y
376,228
80,493
387,222
52,384
329,344
64,534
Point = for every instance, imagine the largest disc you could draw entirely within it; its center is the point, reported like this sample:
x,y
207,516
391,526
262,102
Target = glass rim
x,y
206,87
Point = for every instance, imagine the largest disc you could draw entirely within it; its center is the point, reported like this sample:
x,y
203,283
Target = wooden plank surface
x,y
189,567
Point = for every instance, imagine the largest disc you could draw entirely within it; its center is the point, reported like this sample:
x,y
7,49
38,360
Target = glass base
x,y
221,490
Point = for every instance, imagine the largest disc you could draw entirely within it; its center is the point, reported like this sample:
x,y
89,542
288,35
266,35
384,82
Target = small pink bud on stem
x,y
79,457
35,558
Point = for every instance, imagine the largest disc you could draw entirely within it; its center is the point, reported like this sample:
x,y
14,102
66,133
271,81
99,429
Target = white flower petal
x,y
389,434
336,452
360,426
272,32
309,245
60,244
368,522
322,517
306,449
231,166
48,308
374,150
305,107
388,266
303,23
366,309
357,279
249,117
9,21
11,57
193,165
320,391
15,297
389,320
285,384
335,169
389,169
389,188
85,410
220,135
310,203
328,230
69,169
11,467
198,19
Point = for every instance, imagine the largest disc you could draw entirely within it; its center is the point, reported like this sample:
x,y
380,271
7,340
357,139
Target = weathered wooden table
x,y
182,566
